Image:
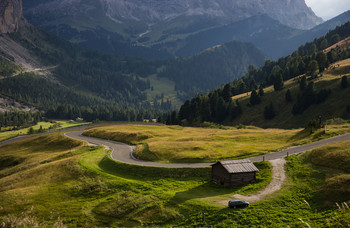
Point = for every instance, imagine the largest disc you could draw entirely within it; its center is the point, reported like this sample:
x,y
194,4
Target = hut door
x,y
222,181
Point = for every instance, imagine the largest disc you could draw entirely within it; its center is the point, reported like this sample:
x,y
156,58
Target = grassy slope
x,y
81,186
56,185
186,144
59,124
335,158
162,86
335,105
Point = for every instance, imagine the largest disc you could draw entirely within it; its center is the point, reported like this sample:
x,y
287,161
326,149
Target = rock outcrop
x,y
294,13
11,17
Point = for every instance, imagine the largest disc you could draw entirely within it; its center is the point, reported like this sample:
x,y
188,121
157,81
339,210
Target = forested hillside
x,y
212,67
82,78
309,60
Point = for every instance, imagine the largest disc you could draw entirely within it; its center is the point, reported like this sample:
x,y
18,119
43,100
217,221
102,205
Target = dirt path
x,y
278,178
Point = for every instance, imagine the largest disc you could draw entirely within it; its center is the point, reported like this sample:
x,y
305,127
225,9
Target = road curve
x,y
123,153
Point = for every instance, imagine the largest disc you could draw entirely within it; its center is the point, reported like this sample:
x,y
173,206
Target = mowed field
x,y
188,144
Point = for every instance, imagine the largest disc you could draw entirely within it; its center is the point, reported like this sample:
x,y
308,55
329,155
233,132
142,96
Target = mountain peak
x,y
292,13
11,16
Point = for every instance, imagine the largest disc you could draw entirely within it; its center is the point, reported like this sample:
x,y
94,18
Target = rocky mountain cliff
x,y
294,13
11,16
145,28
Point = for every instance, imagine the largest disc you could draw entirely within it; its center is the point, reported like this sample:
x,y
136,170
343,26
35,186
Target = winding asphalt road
x,y
123,153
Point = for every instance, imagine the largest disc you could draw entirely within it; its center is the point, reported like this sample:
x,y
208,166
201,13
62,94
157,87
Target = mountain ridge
x,y
11,16
292,13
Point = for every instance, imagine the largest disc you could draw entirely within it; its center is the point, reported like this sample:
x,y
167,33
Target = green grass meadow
x,y
54,181
188,144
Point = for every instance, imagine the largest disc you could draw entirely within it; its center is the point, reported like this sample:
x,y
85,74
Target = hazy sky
x,y
328,9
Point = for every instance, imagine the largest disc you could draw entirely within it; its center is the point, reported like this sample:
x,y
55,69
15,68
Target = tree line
x,y
217,106
19,119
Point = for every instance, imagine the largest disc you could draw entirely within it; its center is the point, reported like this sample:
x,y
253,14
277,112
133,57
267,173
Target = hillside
x,y
51,180
335,106
43,71
211,67
323,90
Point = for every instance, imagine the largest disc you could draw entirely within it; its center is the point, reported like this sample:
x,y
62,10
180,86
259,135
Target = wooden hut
x,y
233,173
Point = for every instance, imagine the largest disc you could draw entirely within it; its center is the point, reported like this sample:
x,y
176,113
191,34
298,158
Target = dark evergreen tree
x,y
278,83
227,92
322,96
344,82
269,112
254,98
306,99
302,84
253,85
261,91
322,60
220,110
312,68
289,97
174,120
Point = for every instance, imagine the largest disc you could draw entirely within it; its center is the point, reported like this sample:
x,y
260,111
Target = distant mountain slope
x,y
55,73
212,67
318,31
316,84
133,27
272,37
263,31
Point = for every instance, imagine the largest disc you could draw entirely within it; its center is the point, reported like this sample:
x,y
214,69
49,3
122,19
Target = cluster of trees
x,y
105,75
66,103
309,59
308,96
102,112
19,119
7,68
213,107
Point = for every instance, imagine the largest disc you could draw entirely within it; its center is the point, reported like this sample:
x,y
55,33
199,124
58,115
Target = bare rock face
x,y
11,16
294,13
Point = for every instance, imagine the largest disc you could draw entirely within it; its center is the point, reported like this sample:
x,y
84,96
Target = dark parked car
x,y
237,203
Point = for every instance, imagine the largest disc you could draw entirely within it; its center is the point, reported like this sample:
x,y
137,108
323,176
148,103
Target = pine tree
x,y
254,98
226,93
312,68
289,97
302,84
322,60
269,112
278,83
344,82
261,91
30,131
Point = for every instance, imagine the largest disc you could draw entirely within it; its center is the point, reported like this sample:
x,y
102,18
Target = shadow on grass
x,y
151,173
208,189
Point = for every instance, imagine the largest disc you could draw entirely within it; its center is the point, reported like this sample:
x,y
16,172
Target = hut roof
x,y
238,166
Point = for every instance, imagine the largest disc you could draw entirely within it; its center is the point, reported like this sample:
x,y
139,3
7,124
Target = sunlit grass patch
x,y
54,125
188,144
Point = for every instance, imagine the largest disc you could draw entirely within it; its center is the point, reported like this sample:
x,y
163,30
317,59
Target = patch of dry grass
x,y
187,144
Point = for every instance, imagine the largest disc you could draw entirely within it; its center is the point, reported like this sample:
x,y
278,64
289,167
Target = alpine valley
x,y
173,113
